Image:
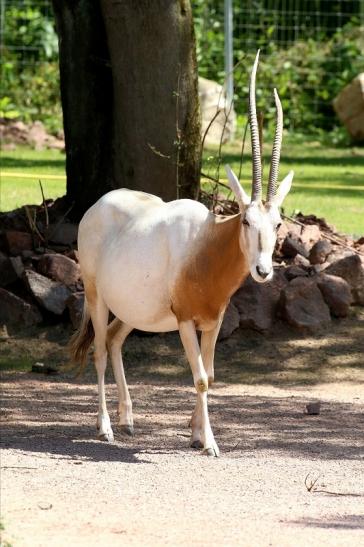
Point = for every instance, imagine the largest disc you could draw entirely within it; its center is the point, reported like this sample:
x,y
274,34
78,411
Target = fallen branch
x,y
311,487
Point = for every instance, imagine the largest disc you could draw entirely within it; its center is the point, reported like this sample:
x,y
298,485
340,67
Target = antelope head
x,y
261,219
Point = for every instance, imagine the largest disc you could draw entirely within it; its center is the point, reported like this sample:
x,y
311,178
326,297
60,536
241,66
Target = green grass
x,y
328,182
30,165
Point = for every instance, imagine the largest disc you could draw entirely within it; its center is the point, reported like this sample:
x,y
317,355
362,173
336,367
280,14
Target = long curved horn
x,y
254,134
276,152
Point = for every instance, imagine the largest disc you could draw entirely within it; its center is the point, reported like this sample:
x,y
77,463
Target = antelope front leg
x,y
208,342
201,426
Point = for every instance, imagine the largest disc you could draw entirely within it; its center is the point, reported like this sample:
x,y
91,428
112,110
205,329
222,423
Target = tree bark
x,y
129,97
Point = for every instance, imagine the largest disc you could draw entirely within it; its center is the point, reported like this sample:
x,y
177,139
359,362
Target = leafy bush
x,y
29,71
307,74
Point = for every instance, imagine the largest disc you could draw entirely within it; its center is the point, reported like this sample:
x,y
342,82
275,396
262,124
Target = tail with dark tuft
x,y
81,341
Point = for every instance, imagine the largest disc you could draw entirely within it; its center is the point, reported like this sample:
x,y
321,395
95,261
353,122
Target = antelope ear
x,y
283,189
242,198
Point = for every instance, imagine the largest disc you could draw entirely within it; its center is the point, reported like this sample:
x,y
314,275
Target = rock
x,y
318,268
302,305
287,228
257,302
295,271
63,234
11,268
349,106
301,261
75,307
51,295
59,268
212,97
313,409
320,251
17,242
4,335
41,368
336,292
15,311
338,253
230,322
291,247
351,269
310,234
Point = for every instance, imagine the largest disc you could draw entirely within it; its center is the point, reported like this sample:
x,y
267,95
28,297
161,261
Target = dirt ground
x,y
61,486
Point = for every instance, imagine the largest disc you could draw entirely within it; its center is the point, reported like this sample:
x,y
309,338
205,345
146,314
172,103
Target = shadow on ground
x,y
53,416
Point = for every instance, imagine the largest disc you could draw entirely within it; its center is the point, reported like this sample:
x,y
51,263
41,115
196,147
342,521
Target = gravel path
x,y
60,486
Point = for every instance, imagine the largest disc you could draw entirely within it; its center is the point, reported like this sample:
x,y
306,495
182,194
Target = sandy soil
x,y
61,486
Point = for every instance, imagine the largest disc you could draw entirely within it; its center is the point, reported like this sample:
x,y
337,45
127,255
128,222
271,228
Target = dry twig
x,y
45,213
32,223
311,487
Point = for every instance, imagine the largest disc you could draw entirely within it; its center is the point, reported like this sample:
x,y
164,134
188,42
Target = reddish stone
x,y
59,268
303,306
295,271
75,307
291,247
18,241
320,251
336,292
51,295
257,302
15,311
352,270
230,322
63,234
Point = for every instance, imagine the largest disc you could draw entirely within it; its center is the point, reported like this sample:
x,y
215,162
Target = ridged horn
x,y
254,134
276,151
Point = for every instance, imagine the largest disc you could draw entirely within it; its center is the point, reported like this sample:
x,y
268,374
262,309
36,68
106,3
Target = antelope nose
x,y
262,273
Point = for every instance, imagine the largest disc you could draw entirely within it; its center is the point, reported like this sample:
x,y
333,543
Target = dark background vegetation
x,y
310,50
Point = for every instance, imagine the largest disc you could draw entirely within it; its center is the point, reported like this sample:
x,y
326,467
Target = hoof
x,y
127,429
106,437
212,452
196,444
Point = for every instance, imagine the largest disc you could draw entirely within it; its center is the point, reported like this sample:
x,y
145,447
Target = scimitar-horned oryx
x,y
173,266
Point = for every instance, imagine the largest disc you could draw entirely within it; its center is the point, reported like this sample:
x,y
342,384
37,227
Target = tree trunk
x,y
129,98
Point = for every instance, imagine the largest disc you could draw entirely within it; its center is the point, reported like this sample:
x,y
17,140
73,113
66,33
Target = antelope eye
x,y
246,222
278,226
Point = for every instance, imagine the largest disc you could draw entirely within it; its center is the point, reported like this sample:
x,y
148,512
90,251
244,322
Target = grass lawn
x,y
21,169
328,181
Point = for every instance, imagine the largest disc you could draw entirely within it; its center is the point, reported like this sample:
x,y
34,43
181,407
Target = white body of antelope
x,y
173,266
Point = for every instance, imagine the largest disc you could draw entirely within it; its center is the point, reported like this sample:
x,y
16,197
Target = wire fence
x,y
310,50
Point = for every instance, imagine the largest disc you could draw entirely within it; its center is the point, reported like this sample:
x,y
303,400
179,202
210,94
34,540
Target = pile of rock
x,y
315,280
39,274
35,135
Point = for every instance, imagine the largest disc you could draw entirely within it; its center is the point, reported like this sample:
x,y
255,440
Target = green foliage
x,y
307,74
29,71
